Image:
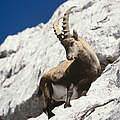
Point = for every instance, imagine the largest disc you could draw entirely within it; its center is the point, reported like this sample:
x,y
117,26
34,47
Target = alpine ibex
x,y
73,77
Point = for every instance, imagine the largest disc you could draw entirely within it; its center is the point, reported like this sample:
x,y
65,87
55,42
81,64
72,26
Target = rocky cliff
x,y
26,56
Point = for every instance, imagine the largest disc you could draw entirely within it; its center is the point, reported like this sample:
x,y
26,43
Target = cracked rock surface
x,y
26,56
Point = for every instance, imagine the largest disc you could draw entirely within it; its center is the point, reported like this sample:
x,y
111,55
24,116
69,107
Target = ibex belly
x,y
60,93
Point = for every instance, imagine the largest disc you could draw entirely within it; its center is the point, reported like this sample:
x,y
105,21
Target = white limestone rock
x,y
101,102
26,56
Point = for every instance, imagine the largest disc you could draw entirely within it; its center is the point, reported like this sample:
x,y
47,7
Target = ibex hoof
x,y
67,105
51,114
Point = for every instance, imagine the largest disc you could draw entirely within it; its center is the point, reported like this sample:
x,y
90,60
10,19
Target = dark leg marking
x,y
69,95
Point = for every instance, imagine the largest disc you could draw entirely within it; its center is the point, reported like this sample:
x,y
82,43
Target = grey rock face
x,y
26,56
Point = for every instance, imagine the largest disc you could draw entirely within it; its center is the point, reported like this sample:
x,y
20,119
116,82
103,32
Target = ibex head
x,y
69,41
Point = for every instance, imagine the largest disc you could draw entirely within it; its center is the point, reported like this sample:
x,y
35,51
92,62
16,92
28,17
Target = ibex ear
x,y
75,35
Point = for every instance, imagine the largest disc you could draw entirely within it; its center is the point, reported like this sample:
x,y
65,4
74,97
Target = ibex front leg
x,y
69,95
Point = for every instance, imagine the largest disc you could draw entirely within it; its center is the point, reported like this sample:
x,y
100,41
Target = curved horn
x,y
57,30
65,26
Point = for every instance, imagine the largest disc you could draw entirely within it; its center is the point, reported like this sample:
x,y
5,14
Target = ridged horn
x,y
57,30
65,25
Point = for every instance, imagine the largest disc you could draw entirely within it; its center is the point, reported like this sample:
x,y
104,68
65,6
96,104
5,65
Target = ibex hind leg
x,y
50,103
51,106
39,92
48,112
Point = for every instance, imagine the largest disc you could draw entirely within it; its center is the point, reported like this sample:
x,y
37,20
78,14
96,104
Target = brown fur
x,y
79,71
